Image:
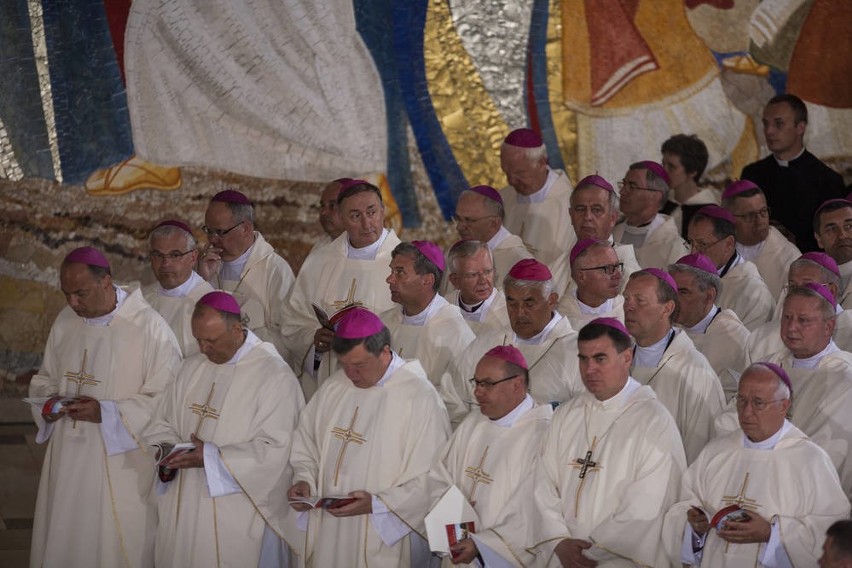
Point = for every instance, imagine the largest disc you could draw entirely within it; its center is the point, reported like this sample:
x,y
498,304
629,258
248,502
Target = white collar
x,y
770,442
498,238
481,310
619,399
368,252
786,163
542,335
509,420
701,327
248,344
650,356
814,361
395,363
106,319
645,229
750,252
436,304
541,194
182,290
585,309
233,269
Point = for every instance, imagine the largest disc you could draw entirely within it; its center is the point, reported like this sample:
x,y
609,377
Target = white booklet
x,y
451,509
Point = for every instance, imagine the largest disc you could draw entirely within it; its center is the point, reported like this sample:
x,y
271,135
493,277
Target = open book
x,y
166,451
327,321
48,404
451,519
329,502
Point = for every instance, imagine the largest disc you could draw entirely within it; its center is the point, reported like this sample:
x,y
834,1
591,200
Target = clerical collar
x,y
509,420
585,309
770,442
233,269
650,356
735,260
786,163
368,252
477,312
248,344
701,327
814,361
542,335
182,290
106,319
541,194
498,238
436,304
644,228
750,252
619,399
396,363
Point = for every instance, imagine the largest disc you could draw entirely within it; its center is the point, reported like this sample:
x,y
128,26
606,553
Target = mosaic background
x,y
421,103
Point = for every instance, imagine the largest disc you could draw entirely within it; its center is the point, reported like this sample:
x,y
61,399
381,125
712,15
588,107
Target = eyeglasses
x,y
488,384
754,215
174,255
701,247
757,404
625,185
219,232
487,273
608,269
470,220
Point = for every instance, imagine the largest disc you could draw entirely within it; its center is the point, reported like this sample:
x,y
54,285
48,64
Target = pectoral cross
x,y
584,465
740,499
348,435
81,378
204,411
350,298
532,250
478,475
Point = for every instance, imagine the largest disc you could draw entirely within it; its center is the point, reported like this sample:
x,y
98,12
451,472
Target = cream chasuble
x,y
773,262
249,409
377,439
686,384
822,399
441,339
765,341
332,280
262,291
793,485
609,471
552,362
569,306
662,247
724,346
510,251
746,294
490,316
177,311
542,224
93,509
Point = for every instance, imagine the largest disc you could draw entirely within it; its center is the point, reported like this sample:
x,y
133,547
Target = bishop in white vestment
x,y
596,275
472,274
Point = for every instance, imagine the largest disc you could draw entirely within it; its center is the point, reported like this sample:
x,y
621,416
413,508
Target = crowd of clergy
x,y
640,373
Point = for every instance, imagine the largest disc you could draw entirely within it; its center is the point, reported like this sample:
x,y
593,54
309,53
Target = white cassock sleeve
x,y
220,482
687,555
117,440
390,527
45,429
774,555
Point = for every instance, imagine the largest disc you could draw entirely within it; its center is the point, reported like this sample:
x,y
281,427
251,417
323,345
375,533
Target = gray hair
x,y
466,249
828,277
545,286
491,207
613,196
826,308
653,181
167,231
532,154
782,391
703,279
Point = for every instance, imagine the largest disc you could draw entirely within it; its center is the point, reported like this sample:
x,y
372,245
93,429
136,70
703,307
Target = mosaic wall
x,y
115,114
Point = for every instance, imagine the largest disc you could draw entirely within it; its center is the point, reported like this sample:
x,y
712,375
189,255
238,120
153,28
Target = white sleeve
x,y
489,556
220,482
774,555
45,429
687,556
117,440
388,525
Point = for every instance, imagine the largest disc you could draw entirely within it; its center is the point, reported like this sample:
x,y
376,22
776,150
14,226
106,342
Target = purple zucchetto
x,y
358,323
658,169
221,301
581,247
779,372
174,223
611,322
431,251
699,261
508,353
530,269
823,291
716,212
596,181
823,260
824,204
662,275
524,138
89,256
231,196
738,187
487,191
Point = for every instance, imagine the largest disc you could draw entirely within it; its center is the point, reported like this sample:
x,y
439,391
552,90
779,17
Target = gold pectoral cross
x,y
204,411
740,499
81,378
349,299
348,435
478,475
585,465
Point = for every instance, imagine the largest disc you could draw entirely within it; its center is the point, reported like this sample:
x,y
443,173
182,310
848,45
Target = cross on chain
x,y
348,435
350,298
204,411
478,475
584,465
